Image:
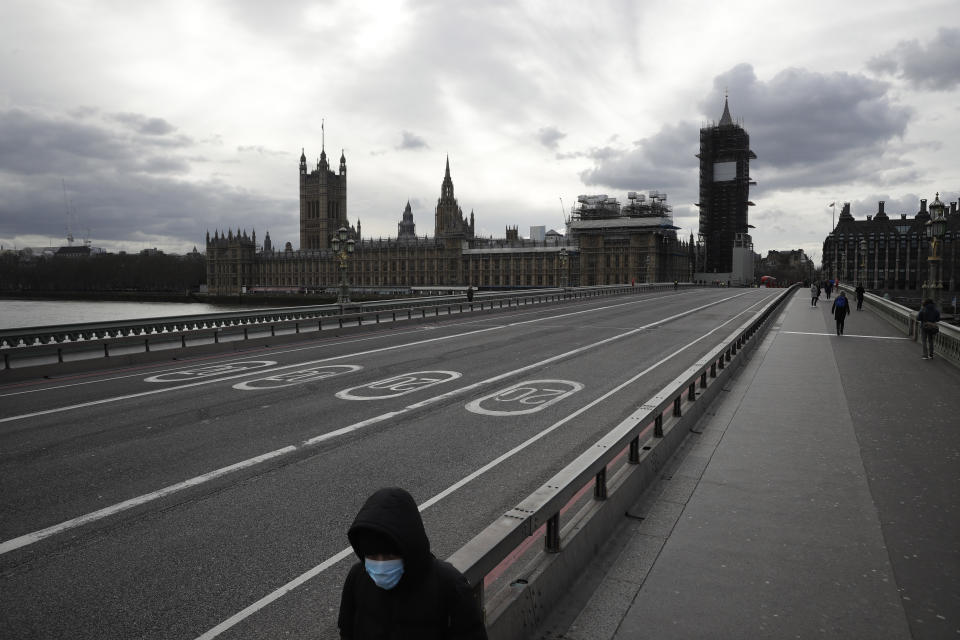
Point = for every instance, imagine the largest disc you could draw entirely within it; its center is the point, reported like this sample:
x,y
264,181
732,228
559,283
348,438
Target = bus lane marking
x,y
210,371
400,385
300,376
524,397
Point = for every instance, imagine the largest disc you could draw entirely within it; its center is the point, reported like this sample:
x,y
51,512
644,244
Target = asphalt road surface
x,y
211,498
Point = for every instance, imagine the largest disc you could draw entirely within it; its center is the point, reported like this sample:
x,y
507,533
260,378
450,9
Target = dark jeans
x,y
928,337
840,324
859,303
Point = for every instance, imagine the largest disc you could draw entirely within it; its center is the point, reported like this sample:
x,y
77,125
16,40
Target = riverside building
x,y
606,244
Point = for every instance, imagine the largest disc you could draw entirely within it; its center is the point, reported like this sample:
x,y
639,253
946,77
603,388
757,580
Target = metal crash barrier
x,y
60,343
518,582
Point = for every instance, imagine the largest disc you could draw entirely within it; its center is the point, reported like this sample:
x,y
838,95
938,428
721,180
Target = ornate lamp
x,y
935,229
344,248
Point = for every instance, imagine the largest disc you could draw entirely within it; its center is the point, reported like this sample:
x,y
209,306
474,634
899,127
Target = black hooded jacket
x,y
432,599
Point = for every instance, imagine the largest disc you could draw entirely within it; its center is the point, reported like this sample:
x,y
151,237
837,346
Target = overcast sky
x,y
152,123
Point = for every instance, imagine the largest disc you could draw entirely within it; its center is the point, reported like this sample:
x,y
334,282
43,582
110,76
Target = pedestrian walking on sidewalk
x,y
929,316
814,294
840,310
829,288
399,589
860,291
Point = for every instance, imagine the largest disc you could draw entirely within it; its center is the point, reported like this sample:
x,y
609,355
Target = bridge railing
x,y
103,339
515,590
945,345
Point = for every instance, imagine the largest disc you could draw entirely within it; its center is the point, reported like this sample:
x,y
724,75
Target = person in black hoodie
x,y
840,311
860,291
399,589
929,316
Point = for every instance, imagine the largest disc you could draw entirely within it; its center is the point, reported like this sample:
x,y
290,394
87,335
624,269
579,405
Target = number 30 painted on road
x,y
529,396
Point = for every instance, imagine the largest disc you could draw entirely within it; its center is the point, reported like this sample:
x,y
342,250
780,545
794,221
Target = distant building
x,y
725,248
537,233
621,246
891,253
323,201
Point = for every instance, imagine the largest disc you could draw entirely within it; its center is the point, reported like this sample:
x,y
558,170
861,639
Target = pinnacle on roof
x,y
447,175
725,119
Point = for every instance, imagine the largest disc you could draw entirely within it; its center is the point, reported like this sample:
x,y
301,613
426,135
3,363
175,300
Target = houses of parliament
x,y
605,243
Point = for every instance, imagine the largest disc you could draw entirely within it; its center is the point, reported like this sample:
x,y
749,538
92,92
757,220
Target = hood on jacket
x,y
392,513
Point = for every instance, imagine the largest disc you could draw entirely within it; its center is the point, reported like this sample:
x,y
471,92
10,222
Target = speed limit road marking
x,y
399,385
300,376
209,371
524,397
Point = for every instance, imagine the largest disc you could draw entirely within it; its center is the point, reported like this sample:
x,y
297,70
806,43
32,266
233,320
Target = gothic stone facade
x,y
619,250
890,253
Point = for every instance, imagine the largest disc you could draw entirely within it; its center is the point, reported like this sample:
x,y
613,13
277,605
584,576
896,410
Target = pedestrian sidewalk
x,y
819,497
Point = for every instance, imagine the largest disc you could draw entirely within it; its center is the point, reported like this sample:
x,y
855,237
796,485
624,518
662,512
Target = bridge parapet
x,y
57,343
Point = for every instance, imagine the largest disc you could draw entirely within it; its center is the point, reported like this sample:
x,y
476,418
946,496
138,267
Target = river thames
x,y
15,313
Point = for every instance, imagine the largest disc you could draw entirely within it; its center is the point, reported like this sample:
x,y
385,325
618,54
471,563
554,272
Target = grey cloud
x,y
808,129
260,150
116,208
935,66
144,125
159,164
410,140
32,143
663,161
447,60
83,112
550,136
801,117
121,185
35,143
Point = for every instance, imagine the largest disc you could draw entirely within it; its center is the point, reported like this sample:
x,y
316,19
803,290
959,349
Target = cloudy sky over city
x,y
147,124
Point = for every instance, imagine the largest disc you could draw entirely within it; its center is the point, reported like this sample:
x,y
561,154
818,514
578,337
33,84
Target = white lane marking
x,y
300,376
401,384
349,341
348,429
336,558
275,595
828,333
529,396
342,357
210,370
36,536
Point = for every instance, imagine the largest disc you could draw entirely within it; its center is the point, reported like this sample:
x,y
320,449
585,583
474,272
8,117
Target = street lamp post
x,y
863,260
344,249
563,268
935,229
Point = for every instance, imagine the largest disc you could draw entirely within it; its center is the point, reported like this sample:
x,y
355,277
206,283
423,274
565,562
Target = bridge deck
x,y
822,498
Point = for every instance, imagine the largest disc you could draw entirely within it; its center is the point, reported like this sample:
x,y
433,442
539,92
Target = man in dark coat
x,y
928,332
840,310
860,291
399,589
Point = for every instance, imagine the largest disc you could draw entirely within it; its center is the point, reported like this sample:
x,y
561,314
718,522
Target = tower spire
x,y
725,119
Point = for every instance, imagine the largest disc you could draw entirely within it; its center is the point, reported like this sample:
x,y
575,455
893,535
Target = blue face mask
x,y
384,573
